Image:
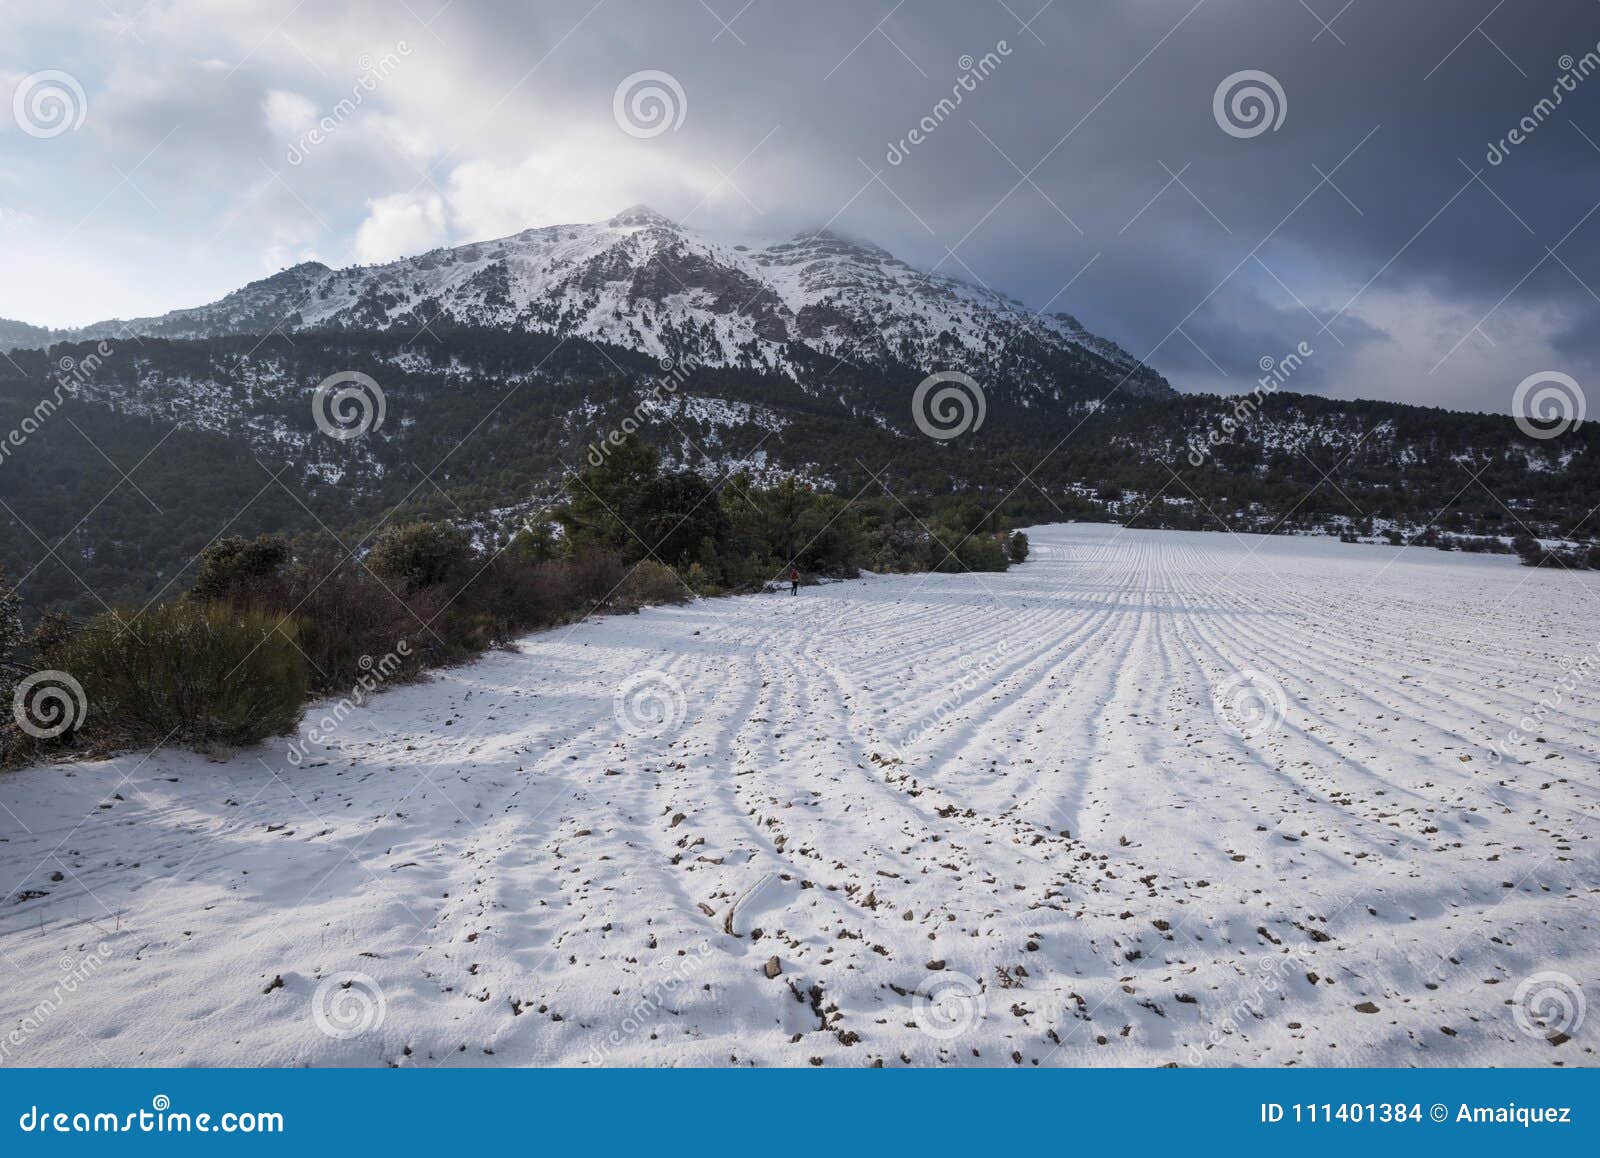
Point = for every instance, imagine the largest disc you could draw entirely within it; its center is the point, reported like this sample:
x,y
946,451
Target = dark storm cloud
x,y
1086,153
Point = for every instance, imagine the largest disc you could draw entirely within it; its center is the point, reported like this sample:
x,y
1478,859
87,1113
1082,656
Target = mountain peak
x,y
642,281
642,215
826,236
824,242
288,276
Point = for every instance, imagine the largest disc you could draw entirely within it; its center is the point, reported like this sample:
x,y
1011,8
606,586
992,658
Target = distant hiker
x,y
794,581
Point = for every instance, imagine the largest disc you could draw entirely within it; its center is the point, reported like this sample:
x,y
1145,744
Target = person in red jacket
x,y
794,581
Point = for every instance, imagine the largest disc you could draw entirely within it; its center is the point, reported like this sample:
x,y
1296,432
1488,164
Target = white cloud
x,y
1439,354
400,224
287,113
557,186
405,138
490,200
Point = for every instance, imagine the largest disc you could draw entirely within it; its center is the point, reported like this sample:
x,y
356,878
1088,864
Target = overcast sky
x,y
1087,171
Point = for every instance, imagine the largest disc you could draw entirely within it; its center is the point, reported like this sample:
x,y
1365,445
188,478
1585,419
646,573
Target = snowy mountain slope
x,y
258,395
642,282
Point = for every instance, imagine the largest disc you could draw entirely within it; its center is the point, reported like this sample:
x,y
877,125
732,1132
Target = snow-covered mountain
x,y
643,282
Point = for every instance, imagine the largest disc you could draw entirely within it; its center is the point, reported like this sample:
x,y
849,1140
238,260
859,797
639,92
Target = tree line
x,y
271,620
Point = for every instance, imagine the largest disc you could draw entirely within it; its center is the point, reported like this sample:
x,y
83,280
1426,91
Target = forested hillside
x,y
121,469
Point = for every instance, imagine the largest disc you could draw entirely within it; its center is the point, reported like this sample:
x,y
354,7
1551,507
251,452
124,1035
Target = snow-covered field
x,y
1032,818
